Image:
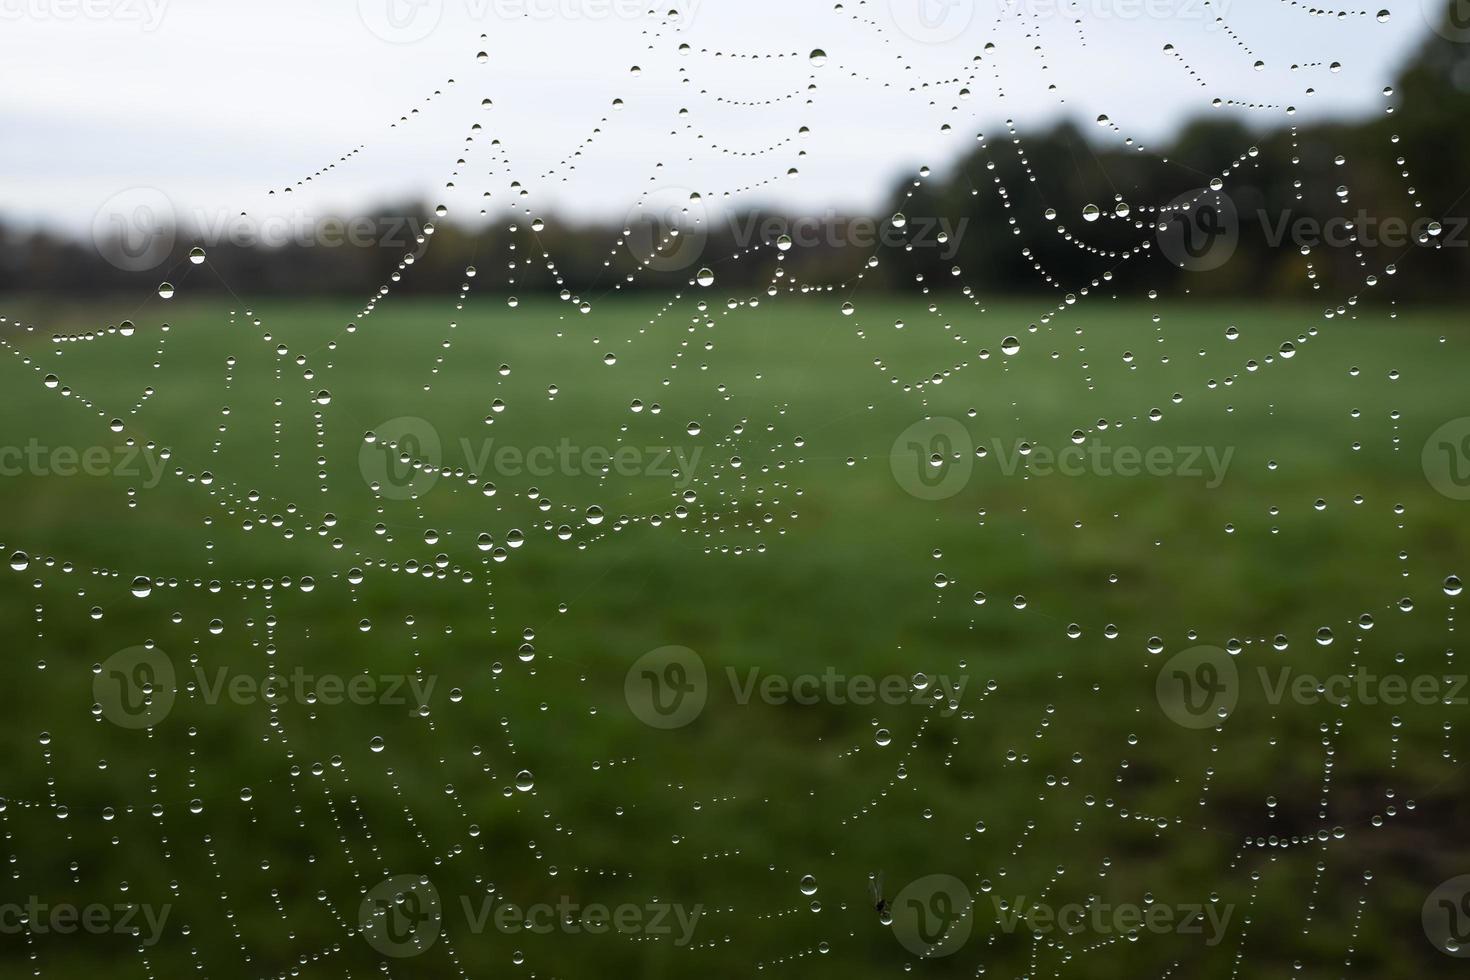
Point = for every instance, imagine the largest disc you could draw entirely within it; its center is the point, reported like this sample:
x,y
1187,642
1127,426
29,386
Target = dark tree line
x,y
1401,171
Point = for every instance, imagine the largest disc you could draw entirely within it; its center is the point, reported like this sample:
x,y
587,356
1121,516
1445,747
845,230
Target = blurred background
x,y
301,204
482,354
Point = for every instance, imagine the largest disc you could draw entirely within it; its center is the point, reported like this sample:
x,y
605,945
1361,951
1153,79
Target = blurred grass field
x,y
807,556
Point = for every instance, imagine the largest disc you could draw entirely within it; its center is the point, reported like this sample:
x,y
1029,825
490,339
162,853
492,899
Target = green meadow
x,y
760,509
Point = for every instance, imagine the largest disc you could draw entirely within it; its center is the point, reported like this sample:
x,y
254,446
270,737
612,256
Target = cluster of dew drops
x,y
743,501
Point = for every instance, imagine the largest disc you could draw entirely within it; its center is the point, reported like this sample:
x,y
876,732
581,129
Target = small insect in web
x,y
875,892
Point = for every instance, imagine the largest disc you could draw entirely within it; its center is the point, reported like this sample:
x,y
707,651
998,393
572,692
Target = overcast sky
x,y
215,102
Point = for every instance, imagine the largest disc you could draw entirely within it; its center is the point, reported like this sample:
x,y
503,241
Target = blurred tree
x,y
1410,166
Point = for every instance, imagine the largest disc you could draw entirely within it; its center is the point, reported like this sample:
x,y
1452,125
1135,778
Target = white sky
x,y
217,101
